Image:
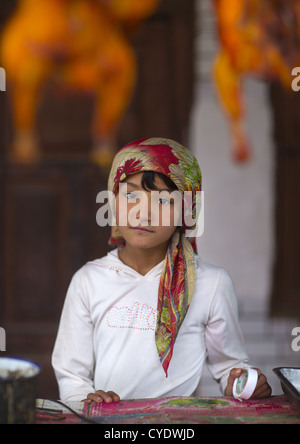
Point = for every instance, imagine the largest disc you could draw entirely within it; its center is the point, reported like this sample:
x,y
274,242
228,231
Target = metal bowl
x,y
290,383
18,390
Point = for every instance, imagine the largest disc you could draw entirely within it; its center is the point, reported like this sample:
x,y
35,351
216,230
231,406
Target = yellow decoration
x,y
85,42
258,37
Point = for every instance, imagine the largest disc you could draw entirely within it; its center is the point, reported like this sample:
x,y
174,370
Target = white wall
x,y
239,199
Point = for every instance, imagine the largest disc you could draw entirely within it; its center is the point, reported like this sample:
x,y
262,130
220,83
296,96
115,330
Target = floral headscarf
x,y
177,279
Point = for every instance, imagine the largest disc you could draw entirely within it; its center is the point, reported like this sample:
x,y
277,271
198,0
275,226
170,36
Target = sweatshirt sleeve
x,y
73,357
224,339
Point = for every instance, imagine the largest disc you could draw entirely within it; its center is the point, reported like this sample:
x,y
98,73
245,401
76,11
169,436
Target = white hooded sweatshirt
x,y
106,337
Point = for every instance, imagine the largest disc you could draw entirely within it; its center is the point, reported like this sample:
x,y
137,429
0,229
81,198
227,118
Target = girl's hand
x,y
101,396
262,390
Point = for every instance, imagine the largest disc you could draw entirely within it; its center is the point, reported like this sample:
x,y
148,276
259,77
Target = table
x,y
173,410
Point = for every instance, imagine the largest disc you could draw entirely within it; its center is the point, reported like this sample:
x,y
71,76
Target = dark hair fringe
x,y
149,178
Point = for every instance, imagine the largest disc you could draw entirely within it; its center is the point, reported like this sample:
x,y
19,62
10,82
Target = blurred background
x,y
85,78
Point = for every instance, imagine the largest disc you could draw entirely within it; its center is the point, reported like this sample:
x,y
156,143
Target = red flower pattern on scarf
x,y
130,167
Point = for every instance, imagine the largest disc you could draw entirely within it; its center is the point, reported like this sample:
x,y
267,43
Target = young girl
x,y
142,321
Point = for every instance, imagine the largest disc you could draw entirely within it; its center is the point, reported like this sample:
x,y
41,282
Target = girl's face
x,y
147,219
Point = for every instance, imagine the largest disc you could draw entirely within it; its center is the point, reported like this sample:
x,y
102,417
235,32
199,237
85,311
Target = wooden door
x,y
48,211
286,121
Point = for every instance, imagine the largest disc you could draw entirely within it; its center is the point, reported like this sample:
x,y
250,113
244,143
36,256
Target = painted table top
x,y
175,410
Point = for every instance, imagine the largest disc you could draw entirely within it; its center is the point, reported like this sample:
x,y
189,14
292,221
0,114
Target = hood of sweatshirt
x,y
113,262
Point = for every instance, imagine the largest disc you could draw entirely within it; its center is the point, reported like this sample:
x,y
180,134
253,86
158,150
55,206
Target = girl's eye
x,y
131,196
164,201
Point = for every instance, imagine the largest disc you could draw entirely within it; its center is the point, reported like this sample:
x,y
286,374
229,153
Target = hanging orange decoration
x,y
87,42
258,37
